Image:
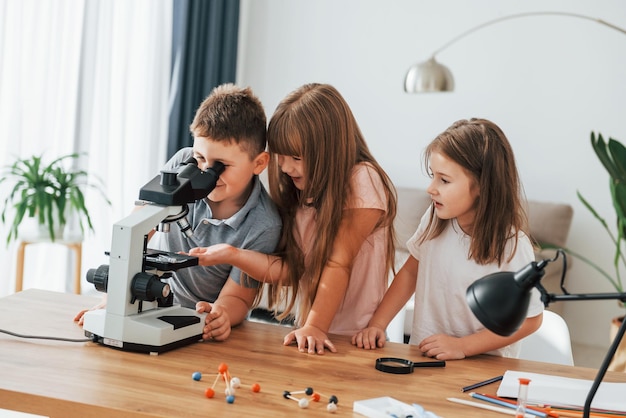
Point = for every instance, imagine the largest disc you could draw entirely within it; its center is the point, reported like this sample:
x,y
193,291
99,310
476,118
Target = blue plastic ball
x,y
230,399
196,376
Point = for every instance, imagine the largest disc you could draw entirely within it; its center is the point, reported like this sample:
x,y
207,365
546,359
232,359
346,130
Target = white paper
x,y
386,406
564,391
379,407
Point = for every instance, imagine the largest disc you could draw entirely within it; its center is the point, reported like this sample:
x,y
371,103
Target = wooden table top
x,y
66,379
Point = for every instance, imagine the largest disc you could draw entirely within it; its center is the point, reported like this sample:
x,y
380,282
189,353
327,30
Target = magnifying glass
x,y
398,365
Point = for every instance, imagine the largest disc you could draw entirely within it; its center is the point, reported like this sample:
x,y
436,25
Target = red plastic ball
x,y
315,397
256,387
209,392
222,368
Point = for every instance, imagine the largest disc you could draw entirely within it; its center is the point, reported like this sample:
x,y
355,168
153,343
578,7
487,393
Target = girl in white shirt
x,y
476,225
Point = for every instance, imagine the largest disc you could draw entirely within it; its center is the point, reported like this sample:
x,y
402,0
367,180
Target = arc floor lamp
x,y
432,76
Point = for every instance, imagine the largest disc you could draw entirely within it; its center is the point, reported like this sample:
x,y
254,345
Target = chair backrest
x,y
551,343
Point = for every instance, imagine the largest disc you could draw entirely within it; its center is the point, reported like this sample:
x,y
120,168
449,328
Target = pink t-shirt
x,y
368,279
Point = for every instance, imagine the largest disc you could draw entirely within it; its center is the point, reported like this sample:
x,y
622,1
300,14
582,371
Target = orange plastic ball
x,y
209,392
315,397
222,368
256,387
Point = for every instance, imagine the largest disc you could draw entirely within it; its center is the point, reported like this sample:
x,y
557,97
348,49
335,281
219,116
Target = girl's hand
x,y
442,347
217,322
215,254
370,338
311,338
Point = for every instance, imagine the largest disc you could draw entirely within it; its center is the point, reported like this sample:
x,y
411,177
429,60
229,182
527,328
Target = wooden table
x,y
84,379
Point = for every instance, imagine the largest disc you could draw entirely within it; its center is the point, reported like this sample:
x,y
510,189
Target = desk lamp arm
x,y
547,298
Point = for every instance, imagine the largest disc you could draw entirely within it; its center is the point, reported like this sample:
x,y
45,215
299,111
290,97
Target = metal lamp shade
x,y
428,76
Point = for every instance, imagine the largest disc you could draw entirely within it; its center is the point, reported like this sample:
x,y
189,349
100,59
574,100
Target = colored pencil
x,y
575,413
497,401
483,383
486,406
548,411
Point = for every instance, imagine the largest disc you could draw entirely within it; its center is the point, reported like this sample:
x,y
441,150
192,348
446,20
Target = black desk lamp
x,y
500,302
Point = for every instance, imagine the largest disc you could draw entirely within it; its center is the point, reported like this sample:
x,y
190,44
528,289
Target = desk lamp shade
x,y
500,300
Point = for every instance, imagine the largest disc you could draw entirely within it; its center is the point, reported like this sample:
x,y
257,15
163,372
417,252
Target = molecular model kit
x,y
234,383
315,397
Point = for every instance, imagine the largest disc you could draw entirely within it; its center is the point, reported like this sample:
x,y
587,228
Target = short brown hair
x,y
232,114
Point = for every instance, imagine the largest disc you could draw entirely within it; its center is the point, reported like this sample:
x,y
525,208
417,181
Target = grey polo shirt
x,y
256,226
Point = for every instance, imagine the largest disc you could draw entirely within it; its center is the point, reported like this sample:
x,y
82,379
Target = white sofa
x,y
549,223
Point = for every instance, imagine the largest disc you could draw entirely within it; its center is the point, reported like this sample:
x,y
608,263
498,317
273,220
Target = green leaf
x,y
47,192
612,155
591,209
601,149
618,153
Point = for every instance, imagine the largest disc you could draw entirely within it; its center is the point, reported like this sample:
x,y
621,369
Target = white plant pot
x,y
31,230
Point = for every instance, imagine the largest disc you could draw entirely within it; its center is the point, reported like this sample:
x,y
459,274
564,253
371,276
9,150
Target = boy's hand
x,y
370,338
311,338
442,347
215,254
217,322
80,317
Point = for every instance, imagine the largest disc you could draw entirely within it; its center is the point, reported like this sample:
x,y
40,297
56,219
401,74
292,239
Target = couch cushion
x,y
412,203
550,222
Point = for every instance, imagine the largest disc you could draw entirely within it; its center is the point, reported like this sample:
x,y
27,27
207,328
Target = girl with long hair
x,y
475,226
337,204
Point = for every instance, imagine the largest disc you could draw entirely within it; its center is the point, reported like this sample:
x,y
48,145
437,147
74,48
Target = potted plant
x,y
612,155
49,193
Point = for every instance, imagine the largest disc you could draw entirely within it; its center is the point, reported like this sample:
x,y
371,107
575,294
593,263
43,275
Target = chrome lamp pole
x,y
432,76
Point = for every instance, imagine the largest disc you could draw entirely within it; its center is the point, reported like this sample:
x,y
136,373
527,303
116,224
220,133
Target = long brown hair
x,y
484,152
315,123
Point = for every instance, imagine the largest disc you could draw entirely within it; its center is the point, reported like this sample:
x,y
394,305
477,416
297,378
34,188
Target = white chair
x,y
551,343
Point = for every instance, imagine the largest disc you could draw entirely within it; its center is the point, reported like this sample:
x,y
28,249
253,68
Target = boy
x,y
229,127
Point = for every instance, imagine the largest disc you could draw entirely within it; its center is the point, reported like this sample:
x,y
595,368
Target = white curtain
x,y
83,76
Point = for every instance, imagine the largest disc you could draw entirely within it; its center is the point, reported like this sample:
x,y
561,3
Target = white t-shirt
x,y
445,273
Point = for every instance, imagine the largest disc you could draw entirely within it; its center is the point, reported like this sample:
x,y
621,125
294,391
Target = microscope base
x,y
154,331
143,348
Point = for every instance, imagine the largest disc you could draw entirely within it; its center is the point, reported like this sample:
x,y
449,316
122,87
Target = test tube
x,y
522,397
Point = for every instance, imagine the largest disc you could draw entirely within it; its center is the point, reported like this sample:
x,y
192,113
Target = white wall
x,y
547,81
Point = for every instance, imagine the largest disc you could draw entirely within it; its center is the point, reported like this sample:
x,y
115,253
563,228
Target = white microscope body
x,y
133,319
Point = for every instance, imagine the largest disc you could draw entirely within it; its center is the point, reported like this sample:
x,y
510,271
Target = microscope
x,y
136,317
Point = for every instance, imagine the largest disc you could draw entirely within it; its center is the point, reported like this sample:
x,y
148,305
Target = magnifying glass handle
x,y
438,363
